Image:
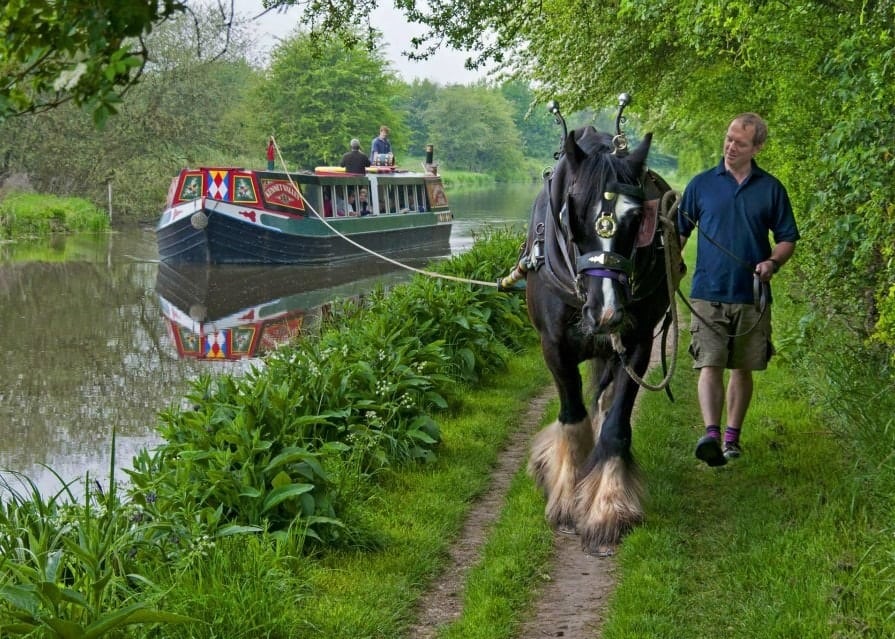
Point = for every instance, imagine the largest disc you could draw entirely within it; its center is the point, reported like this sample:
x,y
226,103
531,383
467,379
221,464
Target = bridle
x,y
609,264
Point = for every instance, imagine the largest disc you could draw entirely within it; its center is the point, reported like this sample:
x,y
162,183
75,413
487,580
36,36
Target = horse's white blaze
x,y
556,454
613,304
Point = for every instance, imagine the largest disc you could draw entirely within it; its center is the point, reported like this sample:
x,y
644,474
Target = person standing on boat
x,y
381,145
271,150
354,161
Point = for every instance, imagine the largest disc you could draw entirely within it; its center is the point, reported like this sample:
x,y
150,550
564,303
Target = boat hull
x,y
211,230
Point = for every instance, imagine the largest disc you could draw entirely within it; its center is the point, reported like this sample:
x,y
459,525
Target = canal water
x,y
98,338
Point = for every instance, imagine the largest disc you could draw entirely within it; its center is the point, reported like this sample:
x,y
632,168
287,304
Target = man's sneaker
x,y
732,450
708,449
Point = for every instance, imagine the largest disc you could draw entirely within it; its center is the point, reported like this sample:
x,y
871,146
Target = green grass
x,y
31,214
755,546
421,511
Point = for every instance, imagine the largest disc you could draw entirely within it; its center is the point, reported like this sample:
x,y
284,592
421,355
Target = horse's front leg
x,y
609,494
561,449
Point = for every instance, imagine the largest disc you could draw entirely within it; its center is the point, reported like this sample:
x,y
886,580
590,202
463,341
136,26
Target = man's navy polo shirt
x,y
739,217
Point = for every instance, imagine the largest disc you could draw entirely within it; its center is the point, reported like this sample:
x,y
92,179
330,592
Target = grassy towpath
x,y
771,545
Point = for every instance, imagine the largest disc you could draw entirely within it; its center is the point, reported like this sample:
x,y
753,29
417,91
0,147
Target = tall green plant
x,y
68,568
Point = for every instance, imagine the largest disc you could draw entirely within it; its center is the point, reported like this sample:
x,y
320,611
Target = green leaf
x,y
133,614
234,529
22,597
283,493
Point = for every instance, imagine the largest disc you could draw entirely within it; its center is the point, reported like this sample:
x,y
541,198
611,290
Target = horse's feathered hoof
x,y
608,504
556,454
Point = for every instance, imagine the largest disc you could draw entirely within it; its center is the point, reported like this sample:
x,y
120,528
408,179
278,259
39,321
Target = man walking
x,y
736,206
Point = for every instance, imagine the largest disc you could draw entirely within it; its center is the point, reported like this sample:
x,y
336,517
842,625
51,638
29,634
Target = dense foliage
x,y
80,50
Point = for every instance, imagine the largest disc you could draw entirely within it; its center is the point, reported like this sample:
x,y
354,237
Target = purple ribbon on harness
x,y
618,276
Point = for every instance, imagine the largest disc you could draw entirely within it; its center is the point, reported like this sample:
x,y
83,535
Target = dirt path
x,y
569,604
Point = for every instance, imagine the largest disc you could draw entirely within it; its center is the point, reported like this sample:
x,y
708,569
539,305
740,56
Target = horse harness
x,y
551,254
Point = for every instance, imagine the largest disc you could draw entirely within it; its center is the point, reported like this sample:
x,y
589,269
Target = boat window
x,y
384,200
421,198
327,208
347,199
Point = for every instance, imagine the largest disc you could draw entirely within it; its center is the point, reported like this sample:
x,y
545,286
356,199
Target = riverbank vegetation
x,y
29,214
281,465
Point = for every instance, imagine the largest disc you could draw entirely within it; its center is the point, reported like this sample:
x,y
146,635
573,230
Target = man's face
x,y
738,146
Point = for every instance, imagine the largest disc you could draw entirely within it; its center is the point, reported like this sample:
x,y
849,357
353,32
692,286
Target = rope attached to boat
x,y
364,248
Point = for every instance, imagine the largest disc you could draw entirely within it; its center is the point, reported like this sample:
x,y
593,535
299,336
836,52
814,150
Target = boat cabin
x,y
326,192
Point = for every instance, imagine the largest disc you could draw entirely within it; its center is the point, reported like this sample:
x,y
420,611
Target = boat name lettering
x,y
273,189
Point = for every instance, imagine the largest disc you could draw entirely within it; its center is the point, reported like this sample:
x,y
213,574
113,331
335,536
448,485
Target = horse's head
x,y
599,192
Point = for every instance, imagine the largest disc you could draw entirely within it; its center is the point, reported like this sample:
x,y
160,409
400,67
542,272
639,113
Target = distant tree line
x,y
313,96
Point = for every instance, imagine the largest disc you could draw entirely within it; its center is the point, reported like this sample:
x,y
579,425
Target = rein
x,y
667,213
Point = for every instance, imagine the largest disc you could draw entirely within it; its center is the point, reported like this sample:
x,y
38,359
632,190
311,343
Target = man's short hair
x,y
760,134
355,144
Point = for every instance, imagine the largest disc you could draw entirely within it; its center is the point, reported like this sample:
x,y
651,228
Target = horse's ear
x,y
637,157
574,152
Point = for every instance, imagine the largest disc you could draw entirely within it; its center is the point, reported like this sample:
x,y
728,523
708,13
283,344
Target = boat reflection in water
x,y
233,312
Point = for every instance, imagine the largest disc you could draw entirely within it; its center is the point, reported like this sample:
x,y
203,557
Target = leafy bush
x,y
69,570
290,444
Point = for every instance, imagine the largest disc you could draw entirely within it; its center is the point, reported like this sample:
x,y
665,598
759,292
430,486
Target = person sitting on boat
x,y
354,161
341,207
347,207
327,204
381,147
363,202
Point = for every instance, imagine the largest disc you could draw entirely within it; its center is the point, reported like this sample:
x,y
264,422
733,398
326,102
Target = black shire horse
x,y
596,290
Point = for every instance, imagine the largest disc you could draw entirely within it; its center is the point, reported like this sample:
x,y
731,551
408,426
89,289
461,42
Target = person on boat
x,y
271,150
381,145
354,161
363,202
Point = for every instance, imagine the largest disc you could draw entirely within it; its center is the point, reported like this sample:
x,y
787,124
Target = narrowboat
x,y
221,215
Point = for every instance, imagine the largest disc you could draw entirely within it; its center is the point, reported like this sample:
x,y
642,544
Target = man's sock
x,y
713,431
731,435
